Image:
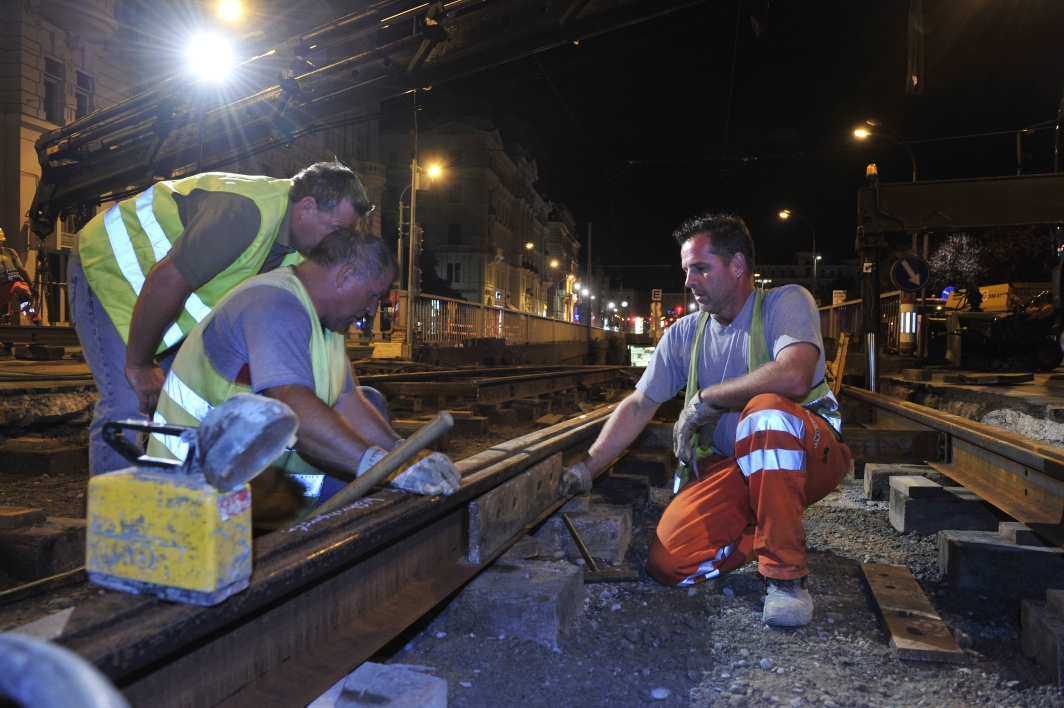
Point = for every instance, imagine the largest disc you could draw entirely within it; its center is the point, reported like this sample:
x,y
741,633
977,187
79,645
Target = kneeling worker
x,y
280,334
753,366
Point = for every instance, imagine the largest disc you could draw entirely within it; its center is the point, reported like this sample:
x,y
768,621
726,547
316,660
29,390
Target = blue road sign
x,y
910,273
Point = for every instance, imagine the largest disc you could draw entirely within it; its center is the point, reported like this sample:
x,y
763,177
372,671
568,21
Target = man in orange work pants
x,y
740,508
759,432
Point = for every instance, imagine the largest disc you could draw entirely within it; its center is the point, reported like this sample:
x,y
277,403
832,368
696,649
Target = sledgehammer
x,y
395,459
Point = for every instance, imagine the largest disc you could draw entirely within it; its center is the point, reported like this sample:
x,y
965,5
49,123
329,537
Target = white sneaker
x,y
788,603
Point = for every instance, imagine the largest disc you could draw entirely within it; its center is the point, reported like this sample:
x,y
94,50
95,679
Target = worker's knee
x,y
662,565
376,399
769,401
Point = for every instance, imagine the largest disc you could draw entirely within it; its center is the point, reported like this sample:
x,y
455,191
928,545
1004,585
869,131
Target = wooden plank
x,y
877,445
915,629
495,517
16,517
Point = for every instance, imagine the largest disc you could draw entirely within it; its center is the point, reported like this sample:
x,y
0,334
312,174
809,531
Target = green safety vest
x,y
193,387
819,400
118,247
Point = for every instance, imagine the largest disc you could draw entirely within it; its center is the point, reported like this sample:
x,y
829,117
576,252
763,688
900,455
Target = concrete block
x,y
937,509
393,685
577,505
549,420
37,456
877,477
527,547
470,426
916,374
657,466
972,559
624,489
1042,638
605,530
42,550
405,404
916,487
1019,534
525,599
17,517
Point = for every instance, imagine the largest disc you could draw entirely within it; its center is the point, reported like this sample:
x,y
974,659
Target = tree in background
x,y
431,282
959,259
1018,255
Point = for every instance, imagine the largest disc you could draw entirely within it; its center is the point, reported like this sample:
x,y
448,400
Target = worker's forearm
x,y
323,433
774,377
161,299
363,416
631,416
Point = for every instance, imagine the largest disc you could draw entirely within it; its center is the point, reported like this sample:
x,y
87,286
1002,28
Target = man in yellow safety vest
x,y
759,434
280,334
147,269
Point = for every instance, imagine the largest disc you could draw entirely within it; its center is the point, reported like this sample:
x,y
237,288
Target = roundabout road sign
x,y
910,273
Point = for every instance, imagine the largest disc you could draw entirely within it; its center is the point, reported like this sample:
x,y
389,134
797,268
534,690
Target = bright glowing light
x,y
592,297
554,264
434,171
819,257
585,291
785,214
692,306
861,133
530,245
210,57
624,303
230,10
611,306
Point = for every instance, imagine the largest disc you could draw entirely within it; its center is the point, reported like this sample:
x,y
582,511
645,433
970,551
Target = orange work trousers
x,y
751,505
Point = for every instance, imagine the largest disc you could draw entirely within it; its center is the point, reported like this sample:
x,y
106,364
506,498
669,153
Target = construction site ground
x,y
641,643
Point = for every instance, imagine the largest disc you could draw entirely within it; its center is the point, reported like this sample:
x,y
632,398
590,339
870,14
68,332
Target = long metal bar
x,y
324,595
1020,476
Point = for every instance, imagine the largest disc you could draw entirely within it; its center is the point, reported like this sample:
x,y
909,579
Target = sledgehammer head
x,y
241,437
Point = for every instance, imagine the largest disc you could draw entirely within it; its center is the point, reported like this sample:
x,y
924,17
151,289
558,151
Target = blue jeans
x,y
332,485
105,353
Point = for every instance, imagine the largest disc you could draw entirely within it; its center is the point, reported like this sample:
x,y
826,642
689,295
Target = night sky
x,y
652,105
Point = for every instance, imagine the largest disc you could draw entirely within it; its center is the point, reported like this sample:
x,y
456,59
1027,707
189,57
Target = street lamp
x,y
210,57
787,214
230,10
411,288
862,133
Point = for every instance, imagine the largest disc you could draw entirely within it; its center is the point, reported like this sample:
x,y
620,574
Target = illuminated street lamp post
x,y
863,133
413,285
787,214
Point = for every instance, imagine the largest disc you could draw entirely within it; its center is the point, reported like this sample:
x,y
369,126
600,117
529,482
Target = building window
x,y
454,272
454,194
808,271
53,91
792,272
454,233
85,95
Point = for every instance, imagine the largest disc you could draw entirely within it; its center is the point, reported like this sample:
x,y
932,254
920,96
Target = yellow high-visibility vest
x,y
118,247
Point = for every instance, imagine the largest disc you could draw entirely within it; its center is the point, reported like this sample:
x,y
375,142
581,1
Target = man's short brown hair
x,y
329,183
727,234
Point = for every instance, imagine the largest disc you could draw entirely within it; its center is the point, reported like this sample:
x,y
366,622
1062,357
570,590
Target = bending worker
x,y
149,268
759,431
14,282
280,334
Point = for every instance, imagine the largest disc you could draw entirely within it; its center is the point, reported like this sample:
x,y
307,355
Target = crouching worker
x,y
280,334
759,431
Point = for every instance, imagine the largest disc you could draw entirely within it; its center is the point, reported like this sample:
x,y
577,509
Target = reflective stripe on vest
x,y
819,400
193,386
119,247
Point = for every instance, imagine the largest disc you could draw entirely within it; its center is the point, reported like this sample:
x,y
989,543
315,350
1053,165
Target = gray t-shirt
x,y
266,329
790,317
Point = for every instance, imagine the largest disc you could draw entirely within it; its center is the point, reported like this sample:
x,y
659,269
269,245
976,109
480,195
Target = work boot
x,y
788,603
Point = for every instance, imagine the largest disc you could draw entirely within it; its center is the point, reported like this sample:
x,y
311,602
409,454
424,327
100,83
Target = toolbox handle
x,y
112,435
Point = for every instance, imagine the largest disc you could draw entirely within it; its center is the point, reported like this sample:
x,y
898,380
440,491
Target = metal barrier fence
x,y
445,321
846,317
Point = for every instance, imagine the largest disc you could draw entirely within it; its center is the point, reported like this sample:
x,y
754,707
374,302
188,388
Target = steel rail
x,y
1020,476
324,595
496,389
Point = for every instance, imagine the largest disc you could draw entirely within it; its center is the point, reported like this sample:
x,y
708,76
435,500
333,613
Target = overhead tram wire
x,y
727,115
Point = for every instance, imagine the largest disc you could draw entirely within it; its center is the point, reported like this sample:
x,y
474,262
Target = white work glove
x,y
576,479
430,473
694,416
